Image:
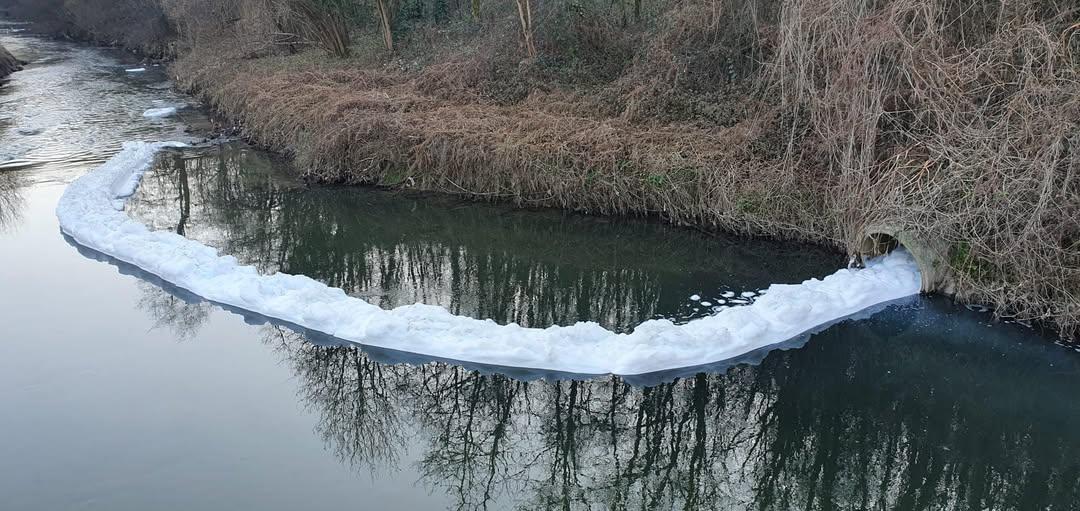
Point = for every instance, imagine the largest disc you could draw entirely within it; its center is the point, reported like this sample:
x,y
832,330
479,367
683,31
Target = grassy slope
x,y
357,125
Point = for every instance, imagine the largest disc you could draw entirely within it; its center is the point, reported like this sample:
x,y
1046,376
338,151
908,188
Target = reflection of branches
x,y
888,436
470,415
353,395
184,198
11,202
763,437
818,428
184,319
568,445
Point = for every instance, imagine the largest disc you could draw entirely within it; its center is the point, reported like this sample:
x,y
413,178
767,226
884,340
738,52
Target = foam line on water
x,y
91,212
158,113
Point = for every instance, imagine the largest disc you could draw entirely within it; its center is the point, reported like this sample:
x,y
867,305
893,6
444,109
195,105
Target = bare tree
x,y
386,17
525,17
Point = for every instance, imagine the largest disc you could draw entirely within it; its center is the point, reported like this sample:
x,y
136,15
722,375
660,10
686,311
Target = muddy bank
x,y
8,63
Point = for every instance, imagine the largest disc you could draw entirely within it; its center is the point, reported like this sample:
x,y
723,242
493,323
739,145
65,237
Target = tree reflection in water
x,y
11,201
921,408
182,317
863,417
355,397
536,268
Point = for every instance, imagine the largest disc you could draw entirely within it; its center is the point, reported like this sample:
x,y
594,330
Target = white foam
x,y
695,297
88,213
157,113
135,70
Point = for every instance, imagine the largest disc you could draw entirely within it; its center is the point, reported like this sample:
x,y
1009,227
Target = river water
x,y
118,392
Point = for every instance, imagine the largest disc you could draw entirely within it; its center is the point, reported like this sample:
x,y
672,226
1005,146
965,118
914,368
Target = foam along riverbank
x,y
159,113
91,212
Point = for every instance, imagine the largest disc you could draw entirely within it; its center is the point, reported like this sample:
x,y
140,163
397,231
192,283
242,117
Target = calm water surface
x,y
120,394
535,268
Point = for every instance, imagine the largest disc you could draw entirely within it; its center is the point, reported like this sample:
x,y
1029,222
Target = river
x,y
120,392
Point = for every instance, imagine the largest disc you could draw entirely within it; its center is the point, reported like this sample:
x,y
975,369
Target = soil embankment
x,y
8,63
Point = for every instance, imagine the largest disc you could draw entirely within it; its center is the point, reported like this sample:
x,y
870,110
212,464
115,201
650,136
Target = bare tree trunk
x,y
525,16
385,18
476,9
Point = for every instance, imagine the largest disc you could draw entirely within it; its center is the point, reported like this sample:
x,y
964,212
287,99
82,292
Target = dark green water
x,y
535,268
119,394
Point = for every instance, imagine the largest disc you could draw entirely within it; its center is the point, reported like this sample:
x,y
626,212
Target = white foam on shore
x,y
135,70
91,212
158,113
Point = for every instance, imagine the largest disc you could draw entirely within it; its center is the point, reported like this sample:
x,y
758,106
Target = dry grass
x,y
364,126
957,121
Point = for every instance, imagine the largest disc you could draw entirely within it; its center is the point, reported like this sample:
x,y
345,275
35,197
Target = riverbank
x,y
344,124
685,129
950,128
8,63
